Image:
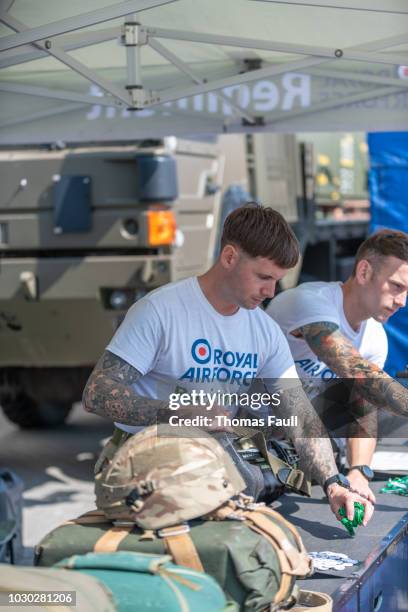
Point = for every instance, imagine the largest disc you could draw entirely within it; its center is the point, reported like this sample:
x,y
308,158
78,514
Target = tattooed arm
x,y
309,435
361,443
372,383
109,393
313,446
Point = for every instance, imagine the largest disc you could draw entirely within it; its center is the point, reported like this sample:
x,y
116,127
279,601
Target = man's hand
x,y
360,484
339,496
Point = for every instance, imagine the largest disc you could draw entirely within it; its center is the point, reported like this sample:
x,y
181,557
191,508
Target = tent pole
x,y
70,42
76,23
77,66
186,70
281,47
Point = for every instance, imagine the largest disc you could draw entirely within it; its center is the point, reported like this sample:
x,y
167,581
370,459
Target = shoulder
x,y
163,300
264,320
170,290
307,303
304,292
153,308
267,327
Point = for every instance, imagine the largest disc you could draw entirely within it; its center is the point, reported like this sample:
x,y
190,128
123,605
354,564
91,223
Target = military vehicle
x,y
330,218
84,232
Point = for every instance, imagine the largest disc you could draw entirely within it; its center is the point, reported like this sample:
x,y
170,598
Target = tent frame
x,y
28,44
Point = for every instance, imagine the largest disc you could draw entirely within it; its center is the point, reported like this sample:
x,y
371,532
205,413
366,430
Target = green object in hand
x,y
357,520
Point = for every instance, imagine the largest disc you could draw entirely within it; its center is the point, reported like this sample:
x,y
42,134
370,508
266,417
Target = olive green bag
x,y
252,551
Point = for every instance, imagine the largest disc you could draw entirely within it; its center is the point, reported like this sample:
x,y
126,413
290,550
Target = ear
x,y
229,257
364,272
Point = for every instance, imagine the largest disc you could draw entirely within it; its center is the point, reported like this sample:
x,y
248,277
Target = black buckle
x,y
283,476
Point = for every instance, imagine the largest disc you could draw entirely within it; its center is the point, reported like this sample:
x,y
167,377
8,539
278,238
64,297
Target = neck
x,y
353,305
213,285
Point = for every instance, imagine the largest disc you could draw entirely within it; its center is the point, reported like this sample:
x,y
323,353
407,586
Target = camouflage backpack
x,y
178,490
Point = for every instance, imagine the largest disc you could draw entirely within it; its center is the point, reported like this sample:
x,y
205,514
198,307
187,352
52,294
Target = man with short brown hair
x,y
207,331
335,330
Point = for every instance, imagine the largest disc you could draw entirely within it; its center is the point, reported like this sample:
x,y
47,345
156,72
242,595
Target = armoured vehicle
x,y
84,232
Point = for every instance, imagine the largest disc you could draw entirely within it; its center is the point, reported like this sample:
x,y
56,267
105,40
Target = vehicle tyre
x,y
28,414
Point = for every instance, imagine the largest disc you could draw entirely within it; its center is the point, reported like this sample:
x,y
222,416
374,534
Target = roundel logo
x,y
201,351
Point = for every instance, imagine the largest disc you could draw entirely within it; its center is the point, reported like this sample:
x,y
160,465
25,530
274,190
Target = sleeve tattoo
x,y
371,383
109,393
309,436
364,423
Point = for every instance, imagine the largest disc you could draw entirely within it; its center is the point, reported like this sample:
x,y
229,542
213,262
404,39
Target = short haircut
x,y
385,243
261,231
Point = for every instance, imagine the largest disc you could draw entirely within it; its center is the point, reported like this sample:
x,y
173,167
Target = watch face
x,y
343,481
367,472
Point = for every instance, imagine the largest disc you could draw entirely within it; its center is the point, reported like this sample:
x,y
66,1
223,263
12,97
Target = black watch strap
x,y
336,479
366,471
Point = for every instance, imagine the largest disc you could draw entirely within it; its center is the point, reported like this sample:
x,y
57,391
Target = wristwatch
x,y
336,479
366,471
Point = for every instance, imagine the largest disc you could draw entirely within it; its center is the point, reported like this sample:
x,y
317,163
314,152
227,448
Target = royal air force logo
x,y
213,364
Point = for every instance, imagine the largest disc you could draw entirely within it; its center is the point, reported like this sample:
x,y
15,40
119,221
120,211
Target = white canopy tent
x,y
95,70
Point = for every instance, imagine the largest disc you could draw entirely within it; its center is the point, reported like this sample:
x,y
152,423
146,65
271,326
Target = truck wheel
x,y
28,414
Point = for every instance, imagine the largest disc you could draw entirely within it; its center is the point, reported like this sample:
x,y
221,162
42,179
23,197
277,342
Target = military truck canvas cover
x,y
71,71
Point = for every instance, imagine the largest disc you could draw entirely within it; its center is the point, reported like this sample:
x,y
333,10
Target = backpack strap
x,y
181,547
299,562
287,581
111,539
293,562
177,541
278,517
284,472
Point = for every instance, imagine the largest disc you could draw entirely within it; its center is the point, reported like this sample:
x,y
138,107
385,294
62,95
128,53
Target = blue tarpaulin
x,y
388,180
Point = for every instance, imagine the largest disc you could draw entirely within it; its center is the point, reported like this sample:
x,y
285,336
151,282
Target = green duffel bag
x,y
90,594
151,583
252,551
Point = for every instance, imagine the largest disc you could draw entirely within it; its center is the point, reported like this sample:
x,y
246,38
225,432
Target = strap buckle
x,y
166,532
246,502
123,523
235,517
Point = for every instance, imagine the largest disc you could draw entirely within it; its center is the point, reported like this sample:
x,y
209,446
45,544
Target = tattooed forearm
x,y
109,393
316,455
309,435
364,422
372,383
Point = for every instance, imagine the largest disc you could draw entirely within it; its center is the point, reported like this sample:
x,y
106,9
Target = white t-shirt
x,y
317,302
178,341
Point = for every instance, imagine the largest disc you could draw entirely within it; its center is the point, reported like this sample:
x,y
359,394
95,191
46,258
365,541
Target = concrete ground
x,y
57,470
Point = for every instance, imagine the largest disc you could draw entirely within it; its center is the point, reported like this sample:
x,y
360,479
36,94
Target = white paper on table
x,y
390,461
